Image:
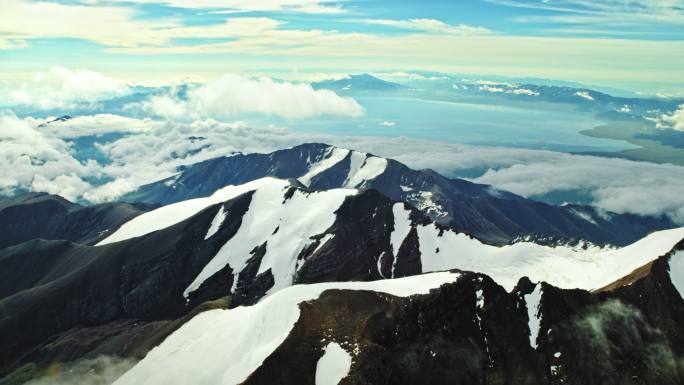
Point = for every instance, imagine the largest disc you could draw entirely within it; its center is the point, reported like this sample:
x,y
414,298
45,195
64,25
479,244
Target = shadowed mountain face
x,y
62,301
39,215
487,213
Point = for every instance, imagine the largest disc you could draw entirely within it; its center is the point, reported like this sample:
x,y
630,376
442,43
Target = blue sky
x,y
624,43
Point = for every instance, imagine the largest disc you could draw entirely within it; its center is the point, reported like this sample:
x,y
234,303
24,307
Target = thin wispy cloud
x,y
614,12
232,6
432,26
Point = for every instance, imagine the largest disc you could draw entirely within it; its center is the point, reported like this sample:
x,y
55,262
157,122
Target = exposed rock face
x,y
491,215
39,215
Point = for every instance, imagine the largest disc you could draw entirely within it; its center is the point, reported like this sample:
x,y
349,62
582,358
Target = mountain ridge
x,y
490,214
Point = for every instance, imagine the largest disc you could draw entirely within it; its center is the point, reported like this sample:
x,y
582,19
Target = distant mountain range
x,y
520,90
492,215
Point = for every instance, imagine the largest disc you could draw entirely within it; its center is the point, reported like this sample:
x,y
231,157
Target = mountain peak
x,y
360,82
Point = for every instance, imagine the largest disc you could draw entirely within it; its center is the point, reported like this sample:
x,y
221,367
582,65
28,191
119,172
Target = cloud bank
x,y
61,87
232,94
675,120
43,159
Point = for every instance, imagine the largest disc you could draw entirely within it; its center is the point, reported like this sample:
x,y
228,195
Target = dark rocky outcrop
x,y
39,215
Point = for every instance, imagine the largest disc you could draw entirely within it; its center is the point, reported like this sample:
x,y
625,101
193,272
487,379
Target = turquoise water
x,y
493,125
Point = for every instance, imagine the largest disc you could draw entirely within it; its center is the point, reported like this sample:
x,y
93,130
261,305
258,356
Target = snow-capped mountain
x,y
249,244
490,214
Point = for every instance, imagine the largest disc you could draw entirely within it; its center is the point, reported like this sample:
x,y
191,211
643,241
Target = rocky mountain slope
x,y
439,328
45,216
492,215
62,301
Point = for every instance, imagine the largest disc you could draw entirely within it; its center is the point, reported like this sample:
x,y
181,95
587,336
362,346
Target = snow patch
x,y
479,296
301,217
562,266
584,216
677,271
364,168
172,180
524,91
333,366
356,161
216,223
323,241
379,265
426,203
533,302
172,214
332,157
584,95
229,345
402,226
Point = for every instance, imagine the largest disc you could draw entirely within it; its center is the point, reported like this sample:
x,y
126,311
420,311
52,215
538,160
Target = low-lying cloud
x,y
230,95
102,370
675,120
61,87
42,157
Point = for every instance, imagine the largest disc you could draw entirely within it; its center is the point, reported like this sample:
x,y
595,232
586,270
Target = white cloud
x,y
237,6
387,124
614,184
92,125
432,26
107,25
31,160
61,87
675,120
231,94
69,186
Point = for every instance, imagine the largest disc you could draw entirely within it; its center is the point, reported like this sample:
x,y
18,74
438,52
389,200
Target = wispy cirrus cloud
x,y
431,26
237,6
614,12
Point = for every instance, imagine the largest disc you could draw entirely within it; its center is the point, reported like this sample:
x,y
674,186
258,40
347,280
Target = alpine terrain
x,y
320,265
